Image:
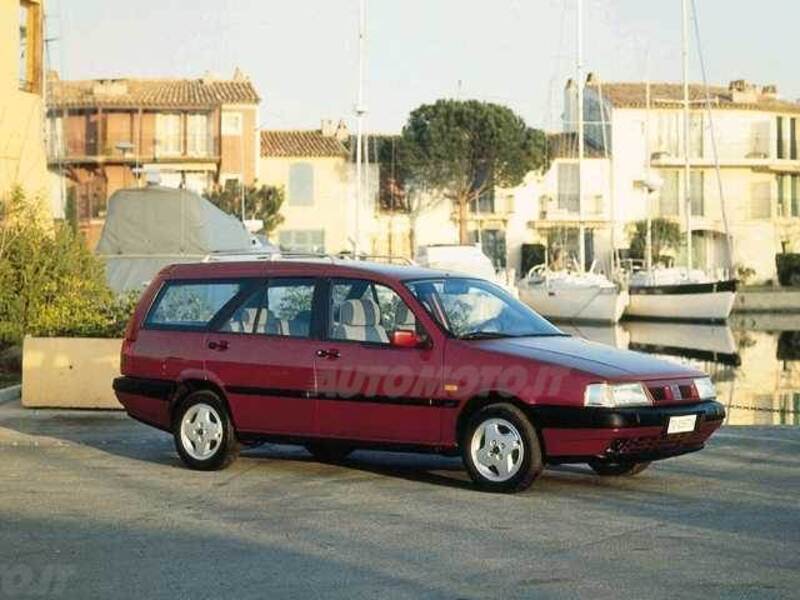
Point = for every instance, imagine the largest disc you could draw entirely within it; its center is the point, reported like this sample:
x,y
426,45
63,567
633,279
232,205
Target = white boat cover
x,y
668,276
149,228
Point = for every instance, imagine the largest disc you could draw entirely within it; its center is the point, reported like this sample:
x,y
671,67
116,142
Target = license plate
x,y
682,424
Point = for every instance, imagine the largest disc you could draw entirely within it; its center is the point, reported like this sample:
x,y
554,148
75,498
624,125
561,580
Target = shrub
x,y
788,266
50,283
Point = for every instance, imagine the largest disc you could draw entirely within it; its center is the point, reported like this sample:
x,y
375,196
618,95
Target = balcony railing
x,y
89,150
733,152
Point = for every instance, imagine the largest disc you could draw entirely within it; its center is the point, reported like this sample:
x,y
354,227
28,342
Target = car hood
x,y
590,357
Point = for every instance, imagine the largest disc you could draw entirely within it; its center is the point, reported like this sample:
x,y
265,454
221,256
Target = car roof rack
x,y
343,256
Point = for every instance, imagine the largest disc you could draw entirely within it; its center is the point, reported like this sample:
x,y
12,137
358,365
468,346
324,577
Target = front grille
x,y
672,392
645,445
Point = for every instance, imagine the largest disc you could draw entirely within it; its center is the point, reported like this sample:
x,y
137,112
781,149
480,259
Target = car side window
x,y
365,311
288,307
249,316
190,304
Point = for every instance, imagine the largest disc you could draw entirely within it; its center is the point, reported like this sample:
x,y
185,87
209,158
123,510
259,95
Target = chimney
x,y
342,132
239,76
743,92
328,128
110,87
770,92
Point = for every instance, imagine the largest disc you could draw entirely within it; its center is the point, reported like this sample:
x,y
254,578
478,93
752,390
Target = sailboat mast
x,y
649,233
579,81
360,112
686,167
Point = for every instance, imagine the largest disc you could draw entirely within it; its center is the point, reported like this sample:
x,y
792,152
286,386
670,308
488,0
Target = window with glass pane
x,y
759,140
780,184
288,307
696,135
568,187
29,28
761,200
197,134
249,316
306,241
669,194
697,192
191,305
168,134
667,134
368,312
474,308
794,196
301,184
793,138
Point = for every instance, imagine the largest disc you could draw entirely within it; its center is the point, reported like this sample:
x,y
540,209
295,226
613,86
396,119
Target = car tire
x,y
501,449
609,469
329,452
204,435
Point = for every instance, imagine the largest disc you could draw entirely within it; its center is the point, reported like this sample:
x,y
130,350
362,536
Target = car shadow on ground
x,y
116,434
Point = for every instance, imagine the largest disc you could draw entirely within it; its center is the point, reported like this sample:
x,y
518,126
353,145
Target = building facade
x,y
317,172
105,135
755,194
22,147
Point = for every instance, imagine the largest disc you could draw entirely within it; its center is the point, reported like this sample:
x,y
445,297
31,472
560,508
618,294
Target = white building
x,y
756,139
316,171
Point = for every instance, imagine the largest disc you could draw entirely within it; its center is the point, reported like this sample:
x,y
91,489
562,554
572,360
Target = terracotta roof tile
x,y
634,95
309,143
151,93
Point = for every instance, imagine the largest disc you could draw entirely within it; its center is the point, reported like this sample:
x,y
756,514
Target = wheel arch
x,y
482,400
188,386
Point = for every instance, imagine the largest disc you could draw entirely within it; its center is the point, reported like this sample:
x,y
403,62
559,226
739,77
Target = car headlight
x,y
705,389
615,396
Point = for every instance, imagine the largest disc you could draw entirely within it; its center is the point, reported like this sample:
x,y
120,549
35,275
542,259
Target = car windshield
x,y
477,309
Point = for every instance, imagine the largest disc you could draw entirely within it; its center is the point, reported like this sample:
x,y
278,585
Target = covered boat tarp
x,y
149,228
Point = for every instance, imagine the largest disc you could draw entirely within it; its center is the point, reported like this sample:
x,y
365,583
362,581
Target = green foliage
x,y
259,202
744,273
463,148
788,266
665,233
50,283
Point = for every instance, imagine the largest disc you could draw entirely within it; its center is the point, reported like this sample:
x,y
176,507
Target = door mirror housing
x,y
408,339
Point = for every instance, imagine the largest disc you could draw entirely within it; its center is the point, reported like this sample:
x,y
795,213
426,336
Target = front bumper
x,y
581,434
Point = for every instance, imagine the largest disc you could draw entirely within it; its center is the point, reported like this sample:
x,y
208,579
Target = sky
x,y
302,54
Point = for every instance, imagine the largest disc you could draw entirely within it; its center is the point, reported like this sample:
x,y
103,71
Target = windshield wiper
x,y
484,335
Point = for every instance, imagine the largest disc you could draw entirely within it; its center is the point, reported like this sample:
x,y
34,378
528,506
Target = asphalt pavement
x,y
95,505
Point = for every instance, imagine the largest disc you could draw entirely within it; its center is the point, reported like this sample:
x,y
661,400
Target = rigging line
x,y
728,245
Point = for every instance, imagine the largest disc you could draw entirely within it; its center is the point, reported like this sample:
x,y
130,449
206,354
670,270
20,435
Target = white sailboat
x,y
683,294
575,295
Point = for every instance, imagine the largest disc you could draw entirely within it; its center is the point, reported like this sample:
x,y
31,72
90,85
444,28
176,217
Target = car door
x,y
261,351
369,388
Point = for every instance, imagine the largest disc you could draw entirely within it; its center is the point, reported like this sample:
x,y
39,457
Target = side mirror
x,y
407,339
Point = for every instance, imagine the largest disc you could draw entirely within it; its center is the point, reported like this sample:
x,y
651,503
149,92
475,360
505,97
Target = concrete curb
x,y
11,393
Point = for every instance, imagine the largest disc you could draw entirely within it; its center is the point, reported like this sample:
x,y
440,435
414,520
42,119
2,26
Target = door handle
x,y
329,354
221,345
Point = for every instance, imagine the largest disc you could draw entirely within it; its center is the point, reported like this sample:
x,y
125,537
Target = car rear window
x,y
190,304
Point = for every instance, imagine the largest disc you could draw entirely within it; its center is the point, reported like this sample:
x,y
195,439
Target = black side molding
x,y
159,389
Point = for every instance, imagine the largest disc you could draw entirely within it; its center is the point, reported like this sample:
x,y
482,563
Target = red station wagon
x,y
339,355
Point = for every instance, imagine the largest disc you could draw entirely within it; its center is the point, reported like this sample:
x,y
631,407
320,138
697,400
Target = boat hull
x,y
580,305
711,301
